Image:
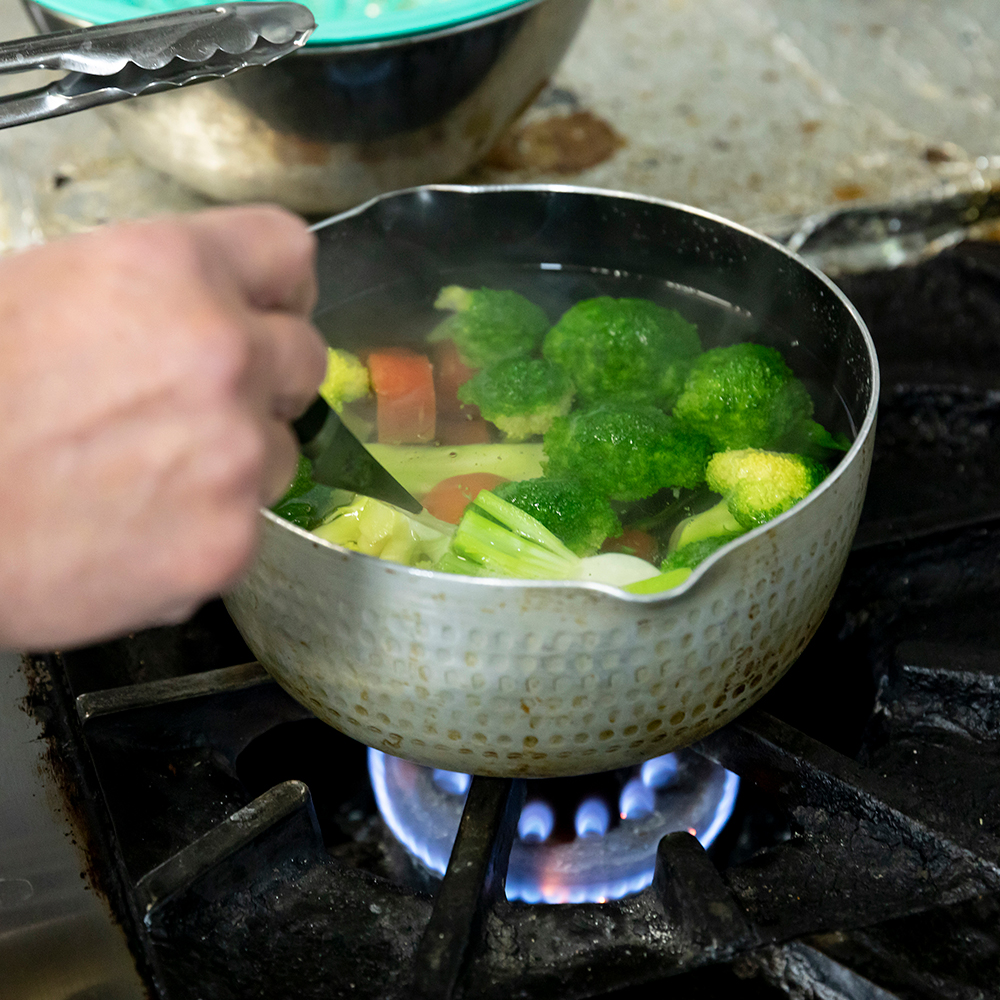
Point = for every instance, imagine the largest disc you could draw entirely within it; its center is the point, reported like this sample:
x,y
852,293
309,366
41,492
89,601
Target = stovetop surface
x,y
885,731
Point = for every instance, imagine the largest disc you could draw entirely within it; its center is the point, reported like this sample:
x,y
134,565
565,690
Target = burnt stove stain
x,y
936,154
69,772
59,771
40,704
314,934
561,143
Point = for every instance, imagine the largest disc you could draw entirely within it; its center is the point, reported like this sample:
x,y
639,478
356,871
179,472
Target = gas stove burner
x,y
586,839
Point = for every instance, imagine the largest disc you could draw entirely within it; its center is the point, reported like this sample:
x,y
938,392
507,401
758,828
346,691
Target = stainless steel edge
x,y
112,63
273,136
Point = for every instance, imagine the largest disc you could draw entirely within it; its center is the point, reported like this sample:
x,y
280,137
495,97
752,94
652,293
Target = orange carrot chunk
x,y
403,382
462,430
450,372
447,501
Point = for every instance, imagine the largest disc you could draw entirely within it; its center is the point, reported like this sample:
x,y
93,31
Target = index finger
x,y
268,251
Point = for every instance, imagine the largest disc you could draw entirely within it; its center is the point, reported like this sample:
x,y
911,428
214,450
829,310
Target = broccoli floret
x,y
307,502
495,538
629,349
760,485
346,379
710,523
489,325
522,396
577,515
699,535
625,452
742,396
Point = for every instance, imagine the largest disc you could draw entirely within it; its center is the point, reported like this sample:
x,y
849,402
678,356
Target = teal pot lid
x,y
338,21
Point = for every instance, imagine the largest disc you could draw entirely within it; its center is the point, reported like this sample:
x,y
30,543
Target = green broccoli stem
x,y
451,562
504,540
659,583
306,503
814,441
683,504
419,468
711,523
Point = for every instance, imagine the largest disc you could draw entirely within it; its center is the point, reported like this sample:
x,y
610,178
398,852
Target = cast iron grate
x,y
245,899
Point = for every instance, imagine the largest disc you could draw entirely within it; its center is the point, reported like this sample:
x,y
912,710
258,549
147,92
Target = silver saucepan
x,y
503,677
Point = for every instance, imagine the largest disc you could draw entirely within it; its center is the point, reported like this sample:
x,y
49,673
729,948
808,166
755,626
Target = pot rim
x,y
416,37
329,46
850,457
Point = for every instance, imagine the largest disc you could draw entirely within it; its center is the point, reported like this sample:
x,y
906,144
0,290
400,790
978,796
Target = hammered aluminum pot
x,y
503,677
333,125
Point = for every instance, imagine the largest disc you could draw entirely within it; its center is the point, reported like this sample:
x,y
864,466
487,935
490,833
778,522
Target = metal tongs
x,y
115,62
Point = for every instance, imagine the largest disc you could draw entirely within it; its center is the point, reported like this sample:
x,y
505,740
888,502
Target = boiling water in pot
x,y
402,313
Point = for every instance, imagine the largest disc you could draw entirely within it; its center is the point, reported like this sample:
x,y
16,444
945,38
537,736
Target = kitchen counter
x,y
767,110
764,111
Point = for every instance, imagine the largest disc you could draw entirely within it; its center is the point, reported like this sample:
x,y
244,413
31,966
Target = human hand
x,y
148,374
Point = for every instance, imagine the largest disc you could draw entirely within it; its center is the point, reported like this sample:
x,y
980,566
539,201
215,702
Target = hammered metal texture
x,y
503,677
500,678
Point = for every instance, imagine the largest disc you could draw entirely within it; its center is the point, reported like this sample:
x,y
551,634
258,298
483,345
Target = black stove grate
x,y
241,844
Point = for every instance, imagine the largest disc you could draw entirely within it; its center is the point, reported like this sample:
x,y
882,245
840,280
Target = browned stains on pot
x,y
849,191
937,154
563,144
290,149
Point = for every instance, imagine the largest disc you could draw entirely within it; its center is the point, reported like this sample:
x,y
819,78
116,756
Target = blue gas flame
x,y
422,807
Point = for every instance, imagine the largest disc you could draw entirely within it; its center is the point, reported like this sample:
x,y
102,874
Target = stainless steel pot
x,y
338,124
504,677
